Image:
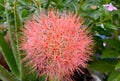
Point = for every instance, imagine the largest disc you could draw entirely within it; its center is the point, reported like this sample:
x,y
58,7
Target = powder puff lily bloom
x,y
57,44
110,7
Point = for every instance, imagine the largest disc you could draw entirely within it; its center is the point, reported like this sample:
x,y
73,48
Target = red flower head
x,y
57,44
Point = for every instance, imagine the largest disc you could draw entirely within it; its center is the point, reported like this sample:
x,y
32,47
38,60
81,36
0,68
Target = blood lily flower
x,y
57,44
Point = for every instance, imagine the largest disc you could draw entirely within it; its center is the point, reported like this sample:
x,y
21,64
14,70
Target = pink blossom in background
x,y
110,7
57,44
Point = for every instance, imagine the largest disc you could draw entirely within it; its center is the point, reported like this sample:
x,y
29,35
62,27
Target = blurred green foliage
x,y
104,25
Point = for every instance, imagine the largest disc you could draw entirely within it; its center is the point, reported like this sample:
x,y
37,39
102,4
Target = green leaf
x,y
117,66
27,74
116,12
16,17
3,31
8,53
17,28
43,78
25,13
103,65
109,53
101,31
96,14
110,26
114,76
113,43
5,75
9,56
1,4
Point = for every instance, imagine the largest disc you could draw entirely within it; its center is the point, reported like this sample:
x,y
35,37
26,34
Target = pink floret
x,y
110,7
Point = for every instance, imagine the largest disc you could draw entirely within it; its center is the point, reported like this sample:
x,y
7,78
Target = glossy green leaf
x,y
101,31
114,76
103,65
109,53
9,57
5,75
113,43
110,26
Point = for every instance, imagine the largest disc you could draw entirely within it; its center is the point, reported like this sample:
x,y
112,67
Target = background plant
x,y
104,25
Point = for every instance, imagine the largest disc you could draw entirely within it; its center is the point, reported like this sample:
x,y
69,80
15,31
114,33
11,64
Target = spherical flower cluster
x,y
57,44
